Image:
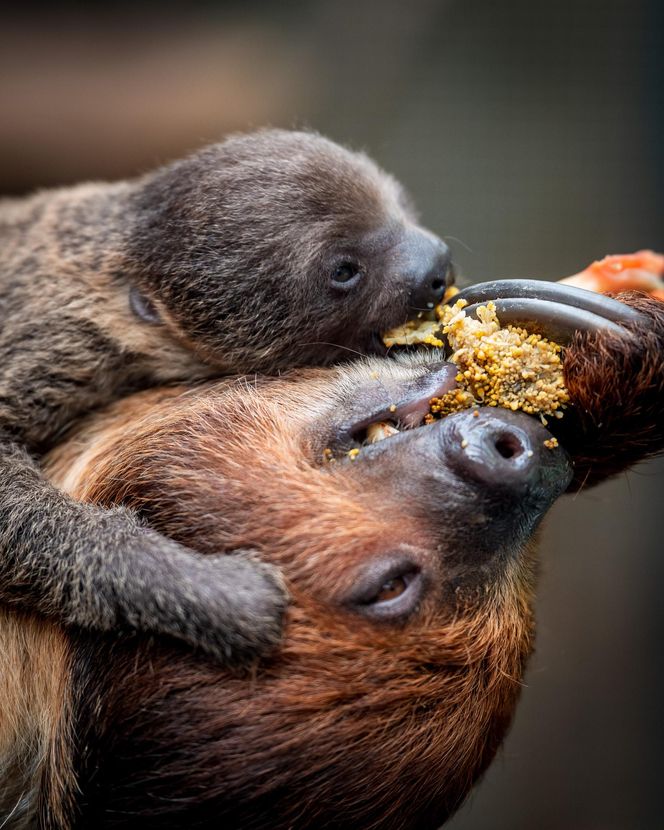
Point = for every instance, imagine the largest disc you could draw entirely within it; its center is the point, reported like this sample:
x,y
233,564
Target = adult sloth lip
x,y
379,422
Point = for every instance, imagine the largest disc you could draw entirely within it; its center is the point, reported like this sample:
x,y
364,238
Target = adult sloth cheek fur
x,y
412,572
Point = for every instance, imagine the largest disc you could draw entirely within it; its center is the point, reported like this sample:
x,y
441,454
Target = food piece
x,y
498,366
415,333
641,271
425,329
507,366
380,431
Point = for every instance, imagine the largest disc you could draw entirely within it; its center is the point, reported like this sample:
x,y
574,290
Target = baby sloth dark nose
x,y
506,454
424,263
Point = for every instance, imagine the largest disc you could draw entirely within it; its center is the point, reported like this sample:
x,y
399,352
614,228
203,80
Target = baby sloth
x,y
411,569
267,251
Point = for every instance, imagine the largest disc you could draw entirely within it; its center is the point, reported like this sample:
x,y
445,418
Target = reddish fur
x,y
618,417
353,724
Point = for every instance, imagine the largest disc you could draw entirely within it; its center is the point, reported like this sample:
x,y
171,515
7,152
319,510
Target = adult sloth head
x,y
411,574
407,632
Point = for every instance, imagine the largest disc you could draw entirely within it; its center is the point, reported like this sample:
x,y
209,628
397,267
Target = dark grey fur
x,y
230,252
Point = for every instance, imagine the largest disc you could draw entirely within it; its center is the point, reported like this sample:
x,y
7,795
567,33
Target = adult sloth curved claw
x,y
411,567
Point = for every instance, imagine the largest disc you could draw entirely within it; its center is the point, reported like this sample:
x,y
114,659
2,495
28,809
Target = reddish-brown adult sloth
x,y
411,570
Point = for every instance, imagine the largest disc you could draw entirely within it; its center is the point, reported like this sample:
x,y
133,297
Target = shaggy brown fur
x,y
615,422
263,252
359,721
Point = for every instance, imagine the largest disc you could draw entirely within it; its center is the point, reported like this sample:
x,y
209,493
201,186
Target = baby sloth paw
x,y
252,625
230,606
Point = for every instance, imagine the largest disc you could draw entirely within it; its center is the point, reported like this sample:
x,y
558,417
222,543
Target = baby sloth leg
x,y
101,569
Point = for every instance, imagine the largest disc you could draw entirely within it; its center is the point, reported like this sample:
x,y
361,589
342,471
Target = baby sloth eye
x,y
143,308
346,275
388,590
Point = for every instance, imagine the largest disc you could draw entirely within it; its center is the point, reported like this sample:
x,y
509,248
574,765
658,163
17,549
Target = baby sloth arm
x,y
100,569
61,355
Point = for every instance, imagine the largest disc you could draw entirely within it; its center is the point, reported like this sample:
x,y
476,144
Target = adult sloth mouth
x,y
375,423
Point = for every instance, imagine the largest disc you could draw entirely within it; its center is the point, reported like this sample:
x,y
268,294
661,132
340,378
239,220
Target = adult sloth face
x,y
411,577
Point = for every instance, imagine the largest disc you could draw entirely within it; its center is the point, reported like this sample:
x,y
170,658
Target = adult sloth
x,y
411,570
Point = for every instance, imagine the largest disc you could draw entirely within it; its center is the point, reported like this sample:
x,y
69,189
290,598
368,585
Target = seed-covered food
x,y
498,366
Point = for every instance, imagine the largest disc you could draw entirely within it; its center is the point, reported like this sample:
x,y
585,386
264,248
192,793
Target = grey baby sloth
x,y
267,251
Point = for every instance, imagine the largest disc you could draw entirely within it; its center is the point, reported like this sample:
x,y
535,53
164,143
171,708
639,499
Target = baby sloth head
x,y
411,575
280,248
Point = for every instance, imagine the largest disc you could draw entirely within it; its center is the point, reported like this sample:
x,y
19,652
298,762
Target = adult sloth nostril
x,y
503,454
508,446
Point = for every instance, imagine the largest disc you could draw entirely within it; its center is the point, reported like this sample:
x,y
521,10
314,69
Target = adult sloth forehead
x,y
280,248
411,581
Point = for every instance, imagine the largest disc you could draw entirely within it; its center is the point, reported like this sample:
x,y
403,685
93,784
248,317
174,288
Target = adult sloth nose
x,y
505,453
424,263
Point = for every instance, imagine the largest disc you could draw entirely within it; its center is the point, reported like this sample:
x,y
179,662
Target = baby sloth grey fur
x,y
264,252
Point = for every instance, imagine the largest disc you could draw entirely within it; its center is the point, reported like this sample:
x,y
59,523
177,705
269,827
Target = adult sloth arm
x,y
617,388
613,438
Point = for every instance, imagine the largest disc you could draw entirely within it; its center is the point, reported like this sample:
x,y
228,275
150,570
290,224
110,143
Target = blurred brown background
x,y
530,134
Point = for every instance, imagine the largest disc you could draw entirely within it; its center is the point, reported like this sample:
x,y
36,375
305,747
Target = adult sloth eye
x,y
389,590
392,589
346,275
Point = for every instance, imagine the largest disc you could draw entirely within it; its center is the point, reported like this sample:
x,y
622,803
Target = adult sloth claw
x,y
556,311
613,367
